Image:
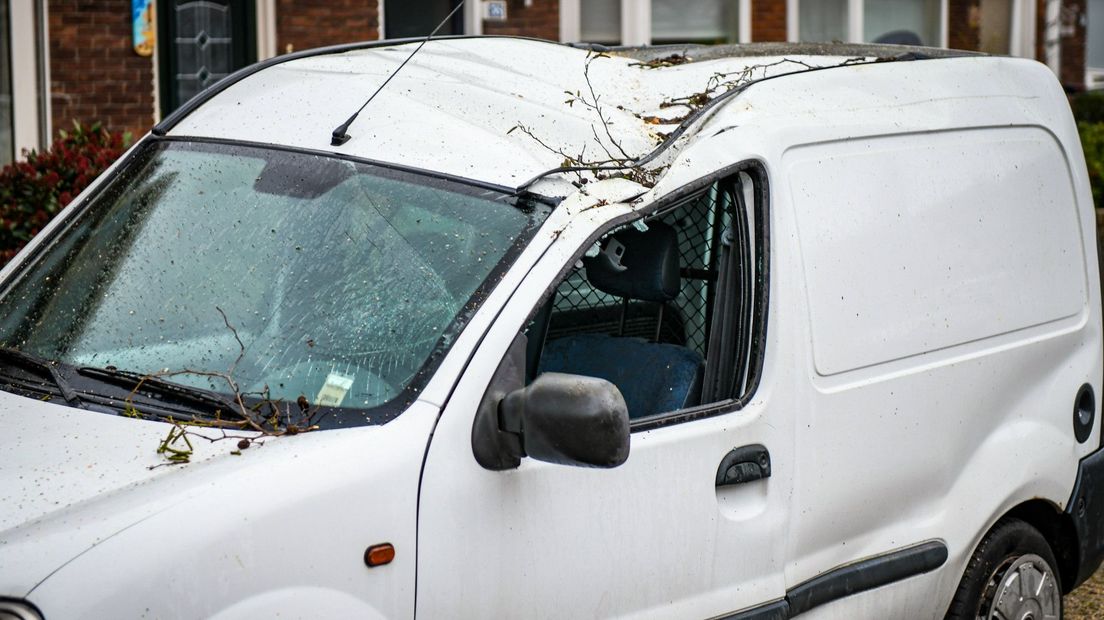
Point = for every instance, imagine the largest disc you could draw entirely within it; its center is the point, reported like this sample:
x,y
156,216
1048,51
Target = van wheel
x,y
1011,576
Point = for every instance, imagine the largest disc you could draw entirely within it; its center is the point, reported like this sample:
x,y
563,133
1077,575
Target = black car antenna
x,y
341,134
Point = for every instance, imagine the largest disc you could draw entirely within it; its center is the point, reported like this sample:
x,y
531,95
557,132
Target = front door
x,y
199,43
663,534
418,18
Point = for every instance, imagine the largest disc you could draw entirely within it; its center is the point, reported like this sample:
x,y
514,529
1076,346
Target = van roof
x,y
499,110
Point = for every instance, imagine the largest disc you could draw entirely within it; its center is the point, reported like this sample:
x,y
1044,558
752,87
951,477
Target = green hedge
x,y
1088,110
1088,107
1092,141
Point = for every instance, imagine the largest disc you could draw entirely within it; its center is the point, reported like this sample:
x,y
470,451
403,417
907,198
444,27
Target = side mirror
x,y
558,418
570,420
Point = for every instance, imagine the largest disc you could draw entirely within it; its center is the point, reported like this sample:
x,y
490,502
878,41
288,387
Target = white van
x,y
745,332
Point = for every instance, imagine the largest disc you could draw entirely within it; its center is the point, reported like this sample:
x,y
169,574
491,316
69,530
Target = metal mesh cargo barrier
x,y
580,308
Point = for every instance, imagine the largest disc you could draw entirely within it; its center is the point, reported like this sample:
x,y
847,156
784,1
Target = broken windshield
x,y
305,276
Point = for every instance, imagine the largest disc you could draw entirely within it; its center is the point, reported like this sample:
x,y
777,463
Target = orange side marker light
x,y
378,555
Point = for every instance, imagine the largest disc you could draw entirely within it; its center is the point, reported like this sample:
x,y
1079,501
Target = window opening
x,y
668,341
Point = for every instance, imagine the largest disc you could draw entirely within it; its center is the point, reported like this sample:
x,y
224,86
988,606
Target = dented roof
x,y
496,110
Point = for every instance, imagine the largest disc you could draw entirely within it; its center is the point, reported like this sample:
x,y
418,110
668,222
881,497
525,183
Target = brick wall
x,y
1072,74
963,18
303,24
1074,17
94,73
541,20
768,20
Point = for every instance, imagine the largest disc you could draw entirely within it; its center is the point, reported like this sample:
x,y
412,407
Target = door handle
x,y
744,465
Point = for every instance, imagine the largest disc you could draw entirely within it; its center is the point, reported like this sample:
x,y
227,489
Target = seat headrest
x,y
638,265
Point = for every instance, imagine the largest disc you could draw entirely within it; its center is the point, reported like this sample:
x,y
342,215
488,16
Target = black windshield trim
x,y
444,176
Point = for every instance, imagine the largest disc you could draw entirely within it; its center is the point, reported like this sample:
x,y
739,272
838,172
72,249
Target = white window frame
x,y
266,29
1022,38
30,105
855,21
636,21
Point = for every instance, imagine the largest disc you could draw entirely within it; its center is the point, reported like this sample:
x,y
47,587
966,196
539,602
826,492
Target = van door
x,y
665,533
949,315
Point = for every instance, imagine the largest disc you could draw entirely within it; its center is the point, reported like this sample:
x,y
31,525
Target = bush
x,y
1088,107
1092,142
33,191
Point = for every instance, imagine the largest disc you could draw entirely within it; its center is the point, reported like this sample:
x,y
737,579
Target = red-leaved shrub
x,y
34,190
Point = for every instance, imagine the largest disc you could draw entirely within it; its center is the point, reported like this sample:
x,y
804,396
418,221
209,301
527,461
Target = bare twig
x,y
261,427
241,347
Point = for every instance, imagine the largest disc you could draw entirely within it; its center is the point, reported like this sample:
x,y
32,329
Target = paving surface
x,y
1087,601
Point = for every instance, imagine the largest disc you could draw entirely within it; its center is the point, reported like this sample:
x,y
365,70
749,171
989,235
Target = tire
x,y
1011,556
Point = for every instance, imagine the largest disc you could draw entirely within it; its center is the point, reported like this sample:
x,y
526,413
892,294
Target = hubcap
x,y
1026,590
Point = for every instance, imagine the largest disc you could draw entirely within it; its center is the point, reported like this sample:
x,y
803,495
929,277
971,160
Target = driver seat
x,y
653,377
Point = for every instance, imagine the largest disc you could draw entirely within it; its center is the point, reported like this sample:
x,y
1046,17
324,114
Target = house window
x,y
1094,35
695,21
7,129
912,22
896,21
995,26
823,20
600,21
645,22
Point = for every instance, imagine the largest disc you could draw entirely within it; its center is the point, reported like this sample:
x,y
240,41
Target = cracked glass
x,y
345,282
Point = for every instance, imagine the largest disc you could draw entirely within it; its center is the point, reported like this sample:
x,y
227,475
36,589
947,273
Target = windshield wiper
x,y
43,367
181,394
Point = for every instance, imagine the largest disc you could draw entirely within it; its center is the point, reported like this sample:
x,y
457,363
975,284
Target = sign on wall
x,y
494,10
144,26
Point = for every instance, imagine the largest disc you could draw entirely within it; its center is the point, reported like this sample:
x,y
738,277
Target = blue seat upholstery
x,y
653,377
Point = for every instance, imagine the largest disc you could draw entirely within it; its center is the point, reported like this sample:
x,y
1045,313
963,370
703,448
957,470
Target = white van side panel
x,y
915,243
939,444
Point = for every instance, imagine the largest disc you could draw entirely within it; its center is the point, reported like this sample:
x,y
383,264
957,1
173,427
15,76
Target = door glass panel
x,y
600,21
1095,34
891,20
695,21
995,26
6,150
822,20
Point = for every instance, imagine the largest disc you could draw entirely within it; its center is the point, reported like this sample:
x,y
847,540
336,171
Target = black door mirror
x,y
569,419
558,418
